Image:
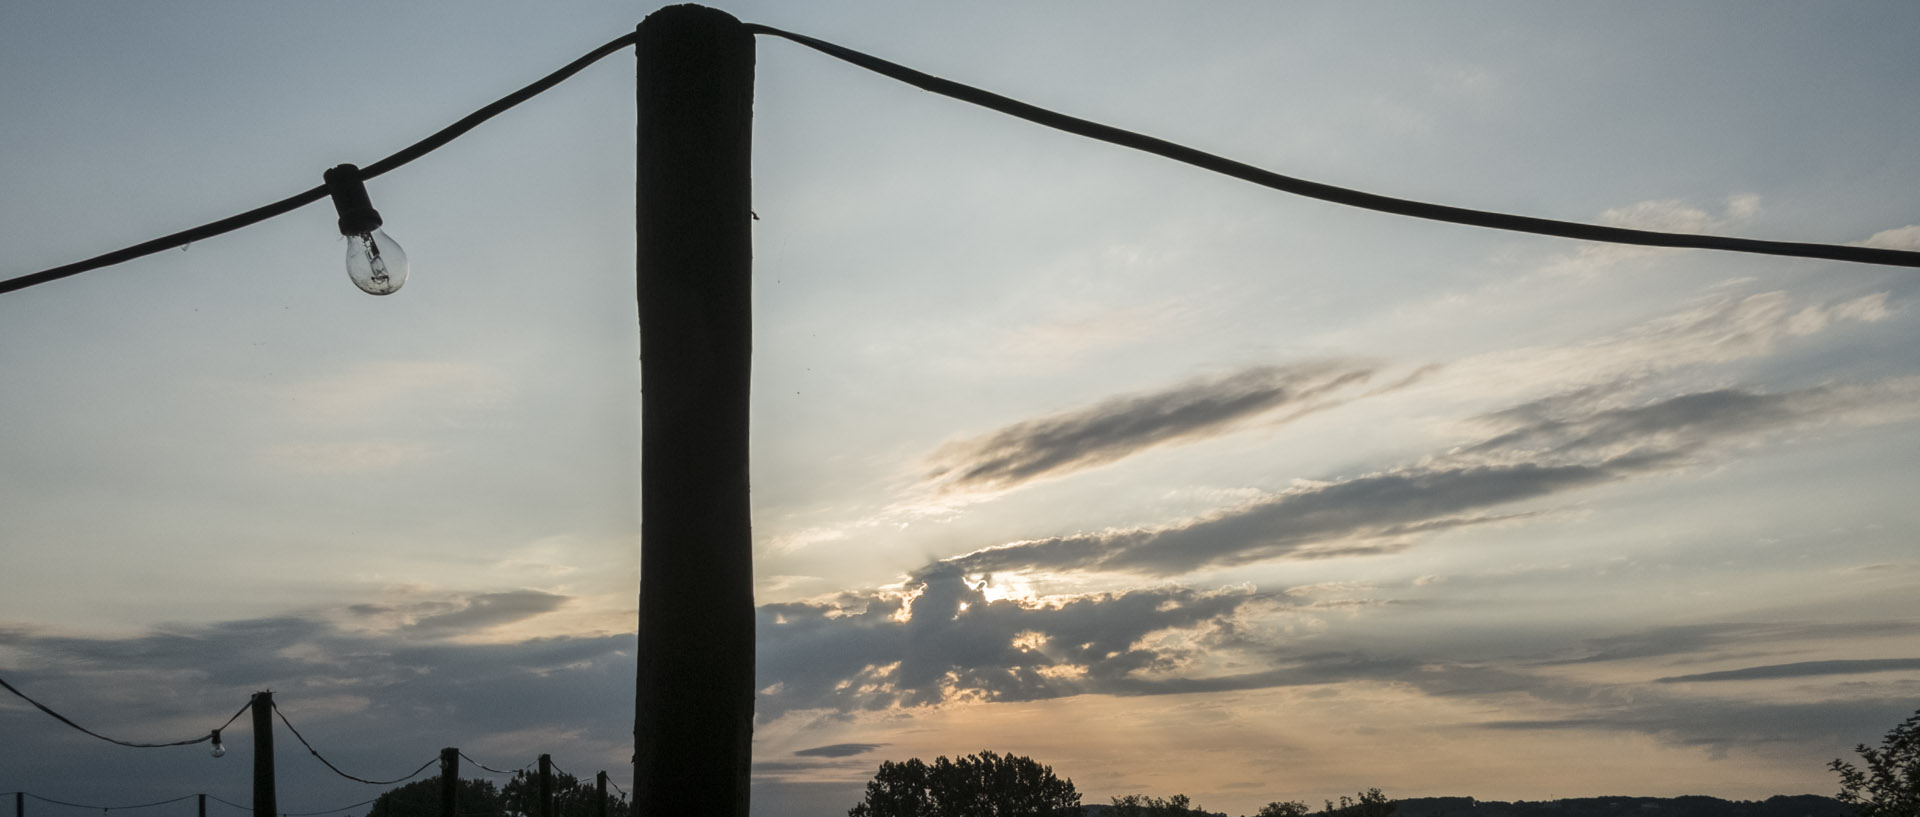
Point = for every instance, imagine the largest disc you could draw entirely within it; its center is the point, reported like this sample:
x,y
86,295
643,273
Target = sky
x,y
1172,483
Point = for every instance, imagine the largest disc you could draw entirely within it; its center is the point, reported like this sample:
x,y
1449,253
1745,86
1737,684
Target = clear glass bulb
x,y
219,749
376,263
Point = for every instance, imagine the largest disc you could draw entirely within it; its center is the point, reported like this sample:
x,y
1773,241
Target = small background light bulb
x,y
375,261
219,749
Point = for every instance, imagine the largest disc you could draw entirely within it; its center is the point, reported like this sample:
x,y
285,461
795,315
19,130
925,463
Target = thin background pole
x,y
693,724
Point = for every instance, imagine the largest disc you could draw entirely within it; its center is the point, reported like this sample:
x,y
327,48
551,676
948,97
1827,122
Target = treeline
x,y
1799,805
572,797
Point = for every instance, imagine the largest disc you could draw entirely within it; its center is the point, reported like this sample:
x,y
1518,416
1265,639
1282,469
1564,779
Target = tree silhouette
x,y
982,785
1140,805
572,797
1370,803
1285,808
519,798
1890,786
477,798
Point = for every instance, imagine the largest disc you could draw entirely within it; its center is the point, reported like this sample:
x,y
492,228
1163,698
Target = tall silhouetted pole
x,y
600,789
694,694
264,799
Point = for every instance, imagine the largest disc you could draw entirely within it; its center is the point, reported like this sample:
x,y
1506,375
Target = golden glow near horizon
x,y
1169,482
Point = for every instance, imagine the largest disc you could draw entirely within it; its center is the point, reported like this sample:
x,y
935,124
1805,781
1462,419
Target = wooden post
x,y
693,724
449,781
600,788
20,804
546,786
265,802
203,805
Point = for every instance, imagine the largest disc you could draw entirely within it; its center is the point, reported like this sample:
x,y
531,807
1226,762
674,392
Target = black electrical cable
x,y
1341,195
336,769
494,770
1042,116
299,200
105,808
616,787
63,719
229,803
328,811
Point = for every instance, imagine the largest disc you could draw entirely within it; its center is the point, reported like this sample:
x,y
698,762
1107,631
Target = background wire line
x,y
464,756
299,200
103,808
63,719
1340,195
229,803
328,811
336,769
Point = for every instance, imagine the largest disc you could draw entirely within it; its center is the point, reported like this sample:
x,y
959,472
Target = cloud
x,y
1658,215
1356,516
352,457
1799,669
839,750
1705,639
1720,328
1123,426
941,640
469,614
1898,238
413,686
373,395
1542,448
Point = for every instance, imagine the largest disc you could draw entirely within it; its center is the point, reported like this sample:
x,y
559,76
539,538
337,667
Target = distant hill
x,y
1798,805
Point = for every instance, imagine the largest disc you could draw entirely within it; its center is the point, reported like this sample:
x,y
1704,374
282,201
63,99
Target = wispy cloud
x,y
839,750
1544,448
1898,238
1123,426
1799,669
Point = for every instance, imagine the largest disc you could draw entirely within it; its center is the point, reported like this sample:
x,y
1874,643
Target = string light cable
x,y
1339,195
212,797
336,769
103,808
1041,116
328,811
304,198
229,803
210,736
469,759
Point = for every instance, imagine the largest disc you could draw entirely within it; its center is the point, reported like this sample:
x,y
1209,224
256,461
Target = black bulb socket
x,y
357,216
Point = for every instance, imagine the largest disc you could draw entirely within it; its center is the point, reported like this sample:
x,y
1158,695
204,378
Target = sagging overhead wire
x,y
64,719
299,200
328,811
469,759
1041,116
336,769
104,809
1340,195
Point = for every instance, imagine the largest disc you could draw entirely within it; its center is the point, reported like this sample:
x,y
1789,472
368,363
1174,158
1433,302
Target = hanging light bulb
x,y
219,749
375,261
